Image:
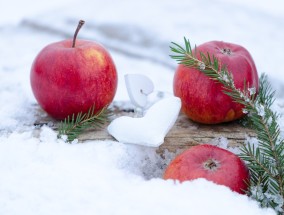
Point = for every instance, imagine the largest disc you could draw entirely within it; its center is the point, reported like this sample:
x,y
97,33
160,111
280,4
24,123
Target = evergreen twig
x,y
265,159
74,125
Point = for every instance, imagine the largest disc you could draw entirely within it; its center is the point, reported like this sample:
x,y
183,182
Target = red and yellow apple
x,y
71,76
203,100
212,163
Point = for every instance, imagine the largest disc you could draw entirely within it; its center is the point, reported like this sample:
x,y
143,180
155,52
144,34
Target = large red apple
x,y
212,163
203,99
69,77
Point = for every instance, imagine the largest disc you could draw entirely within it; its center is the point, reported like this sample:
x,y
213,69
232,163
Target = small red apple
x,y
212,163
203,99
69,77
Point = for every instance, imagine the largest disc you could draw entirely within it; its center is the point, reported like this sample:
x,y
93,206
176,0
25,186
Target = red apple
x,y
203,99
212,163
69,77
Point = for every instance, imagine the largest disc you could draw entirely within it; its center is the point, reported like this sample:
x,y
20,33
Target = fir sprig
x,y
265,160
72,126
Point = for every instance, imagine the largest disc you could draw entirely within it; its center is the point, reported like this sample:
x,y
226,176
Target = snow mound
x,y
47,176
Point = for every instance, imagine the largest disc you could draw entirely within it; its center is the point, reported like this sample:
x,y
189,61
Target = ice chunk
x,y
151,129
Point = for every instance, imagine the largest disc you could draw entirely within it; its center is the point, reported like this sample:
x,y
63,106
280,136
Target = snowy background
x,y
42,175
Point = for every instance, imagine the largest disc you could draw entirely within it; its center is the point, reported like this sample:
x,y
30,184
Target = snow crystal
x,y
245,97
201,65
269,121
225,77
47,134
253,141
267,198
64,138
260,110
223,142
252,91
75,141
257,191
278,199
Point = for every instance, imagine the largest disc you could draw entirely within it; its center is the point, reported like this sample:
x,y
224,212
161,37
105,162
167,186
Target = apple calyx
x,y
211,165
226,51
80,24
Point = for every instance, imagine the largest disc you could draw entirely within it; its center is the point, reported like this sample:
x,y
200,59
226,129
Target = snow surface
x,y
43,175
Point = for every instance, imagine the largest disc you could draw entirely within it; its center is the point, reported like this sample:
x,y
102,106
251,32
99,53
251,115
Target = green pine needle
x,y
266,159
73,126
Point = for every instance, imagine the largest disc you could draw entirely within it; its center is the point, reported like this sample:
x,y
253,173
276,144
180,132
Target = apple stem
x,y
80,24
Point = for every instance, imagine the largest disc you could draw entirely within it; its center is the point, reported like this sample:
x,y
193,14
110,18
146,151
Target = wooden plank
x,y
184,134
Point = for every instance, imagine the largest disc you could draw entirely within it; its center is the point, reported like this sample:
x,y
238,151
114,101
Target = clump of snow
x,y
265,198
151,129
223,142
201,66
253,141
245,111
225,77
252,91
260,110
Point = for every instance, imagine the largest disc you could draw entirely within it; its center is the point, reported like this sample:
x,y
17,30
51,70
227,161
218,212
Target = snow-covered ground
x,y
40,174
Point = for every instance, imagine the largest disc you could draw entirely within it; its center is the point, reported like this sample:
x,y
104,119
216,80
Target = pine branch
x,y
265,160
73,126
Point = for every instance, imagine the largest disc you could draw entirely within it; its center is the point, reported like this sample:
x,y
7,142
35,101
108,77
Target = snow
x,y
43,175
150,129
47,176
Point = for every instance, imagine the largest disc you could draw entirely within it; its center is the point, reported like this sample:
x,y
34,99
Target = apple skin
x,y
203,99
226,169
68,80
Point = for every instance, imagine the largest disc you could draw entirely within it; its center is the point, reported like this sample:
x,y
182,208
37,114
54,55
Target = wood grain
x,y
184,134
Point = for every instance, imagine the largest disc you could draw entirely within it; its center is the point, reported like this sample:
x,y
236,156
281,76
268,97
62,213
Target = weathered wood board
x,y
183,135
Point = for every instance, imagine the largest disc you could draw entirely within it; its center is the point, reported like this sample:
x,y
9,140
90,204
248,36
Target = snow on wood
x,y
184,134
